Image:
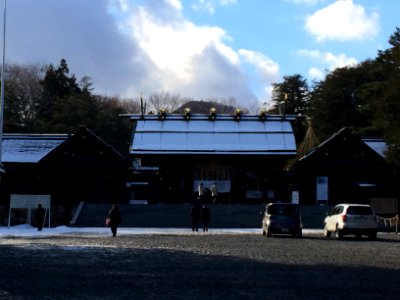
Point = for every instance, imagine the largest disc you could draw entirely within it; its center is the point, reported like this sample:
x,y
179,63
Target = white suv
x,y
355,219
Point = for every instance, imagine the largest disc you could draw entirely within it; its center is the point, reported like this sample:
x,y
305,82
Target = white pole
x,y
2,82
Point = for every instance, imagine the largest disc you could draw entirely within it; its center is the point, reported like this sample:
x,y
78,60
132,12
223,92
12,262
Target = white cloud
x,y
204,5
331,60
267,70
119,4
327,60
228,2
210,5
175,4
343,21
127,49
307,2
85,33
266,67
172,45
192,60
316,73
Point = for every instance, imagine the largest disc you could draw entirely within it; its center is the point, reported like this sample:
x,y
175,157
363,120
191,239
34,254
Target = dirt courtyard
x,y
199,266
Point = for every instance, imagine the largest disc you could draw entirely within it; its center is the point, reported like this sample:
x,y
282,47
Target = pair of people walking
x,y
200,214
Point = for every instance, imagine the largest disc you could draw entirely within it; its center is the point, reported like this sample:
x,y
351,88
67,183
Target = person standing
x,y
39,217
115,219
201,190
195,214
205,217
214,192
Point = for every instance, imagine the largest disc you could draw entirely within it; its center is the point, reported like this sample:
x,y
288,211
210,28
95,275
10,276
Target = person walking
x,y
205,217
114,219
214,192
39,217
195,214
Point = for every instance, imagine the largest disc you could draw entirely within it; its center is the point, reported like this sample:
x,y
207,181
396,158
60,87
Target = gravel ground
x,y
199,266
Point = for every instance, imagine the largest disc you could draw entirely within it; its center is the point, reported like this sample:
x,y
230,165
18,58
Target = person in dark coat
x,y
115,219
205,217
195,214
39,217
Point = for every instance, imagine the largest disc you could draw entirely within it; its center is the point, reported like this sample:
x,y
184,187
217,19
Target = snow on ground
x,y
29,231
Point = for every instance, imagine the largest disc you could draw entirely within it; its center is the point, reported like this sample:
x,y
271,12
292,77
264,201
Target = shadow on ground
x,y
82,271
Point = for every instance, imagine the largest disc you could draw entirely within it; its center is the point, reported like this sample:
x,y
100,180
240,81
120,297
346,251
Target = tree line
x,y
364,97
48,99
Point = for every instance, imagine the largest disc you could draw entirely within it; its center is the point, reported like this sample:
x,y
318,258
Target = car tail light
x,y
344,217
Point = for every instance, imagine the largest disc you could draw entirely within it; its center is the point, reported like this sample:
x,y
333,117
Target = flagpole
x,y
2,82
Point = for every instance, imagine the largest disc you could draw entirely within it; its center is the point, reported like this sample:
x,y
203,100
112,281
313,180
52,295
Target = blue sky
x,y
202,49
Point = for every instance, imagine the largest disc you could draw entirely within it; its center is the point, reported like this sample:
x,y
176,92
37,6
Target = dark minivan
x,y
282,218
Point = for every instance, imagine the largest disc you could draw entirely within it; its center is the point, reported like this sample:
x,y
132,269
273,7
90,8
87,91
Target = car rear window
x,y
359,210
282,210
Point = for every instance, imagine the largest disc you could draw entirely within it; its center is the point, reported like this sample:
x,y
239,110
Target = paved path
x,y
29,231
198,266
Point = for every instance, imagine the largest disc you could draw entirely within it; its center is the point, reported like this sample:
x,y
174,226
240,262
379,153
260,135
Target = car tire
x,y
327,233
338,233
299,234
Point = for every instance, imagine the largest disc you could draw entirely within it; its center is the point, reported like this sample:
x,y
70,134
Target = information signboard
x,y
29,202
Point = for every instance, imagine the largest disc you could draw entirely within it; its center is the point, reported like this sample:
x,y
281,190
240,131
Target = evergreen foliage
x,y
290,96
51,100
364,97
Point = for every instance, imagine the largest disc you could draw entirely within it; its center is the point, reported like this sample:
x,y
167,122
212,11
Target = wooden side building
x,y
70,168
344,168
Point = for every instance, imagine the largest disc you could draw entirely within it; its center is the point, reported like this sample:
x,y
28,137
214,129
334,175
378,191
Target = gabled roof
x,y
222,135
378,145
341,144
35,148
29,148
84,147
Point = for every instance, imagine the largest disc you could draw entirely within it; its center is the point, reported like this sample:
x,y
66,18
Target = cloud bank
x,y
128,48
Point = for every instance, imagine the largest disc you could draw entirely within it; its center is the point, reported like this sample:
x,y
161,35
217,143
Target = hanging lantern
x,y
162,114
187,113
238,114
263,114
213,113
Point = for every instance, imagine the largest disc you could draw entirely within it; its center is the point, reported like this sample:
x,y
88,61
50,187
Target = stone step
x,y
178,215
